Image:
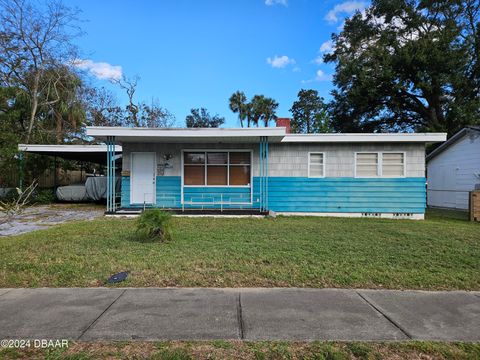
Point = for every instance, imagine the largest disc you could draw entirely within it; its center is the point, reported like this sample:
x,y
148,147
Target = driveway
x,y
38,217
97,314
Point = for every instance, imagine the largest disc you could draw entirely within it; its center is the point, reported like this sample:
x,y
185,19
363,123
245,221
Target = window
x,y
194,168
393,164
316,165
387,164
216,168
367,165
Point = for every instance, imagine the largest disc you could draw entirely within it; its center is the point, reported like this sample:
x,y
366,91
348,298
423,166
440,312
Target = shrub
x,y
44,196
154,224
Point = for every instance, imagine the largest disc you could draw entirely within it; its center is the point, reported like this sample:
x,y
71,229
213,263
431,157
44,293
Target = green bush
x,y
44,196
154,225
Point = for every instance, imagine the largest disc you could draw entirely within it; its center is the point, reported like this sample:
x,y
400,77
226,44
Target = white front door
x,y
142,186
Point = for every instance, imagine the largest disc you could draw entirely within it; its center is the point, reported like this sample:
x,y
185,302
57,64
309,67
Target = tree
x,y
154,115
200,118
408,65
140,114
260,108
238,104
102,108
34,40
263,109
309,113
130,87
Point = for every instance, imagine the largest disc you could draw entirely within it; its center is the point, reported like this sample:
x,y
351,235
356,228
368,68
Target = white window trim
x,y
323,163
404,164
380,163
228,168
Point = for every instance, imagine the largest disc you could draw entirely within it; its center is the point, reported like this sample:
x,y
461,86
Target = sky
x,y
196,53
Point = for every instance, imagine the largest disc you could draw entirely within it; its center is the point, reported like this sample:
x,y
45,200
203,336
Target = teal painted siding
x,y
404,195
125,198
298,194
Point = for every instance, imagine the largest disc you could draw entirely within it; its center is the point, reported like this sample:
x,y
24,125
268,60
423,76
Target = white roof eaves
x,y
65,148
348,138
452,140
184,132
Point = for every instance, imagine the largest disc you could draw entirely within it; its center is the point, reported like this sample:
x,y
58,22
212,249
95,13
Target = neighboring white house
x,y
453,170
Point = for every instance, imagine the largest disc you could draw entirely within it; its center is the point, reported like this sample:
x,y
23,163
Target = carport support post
x,y
21,172
110,174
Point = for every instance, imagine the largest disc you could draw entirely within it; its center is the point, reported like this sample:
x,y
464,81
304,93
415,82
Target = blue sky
x,y
196,53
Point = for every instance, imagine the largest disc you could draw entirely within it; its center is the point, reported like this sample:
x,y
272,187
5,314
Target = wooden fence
x,y
475,205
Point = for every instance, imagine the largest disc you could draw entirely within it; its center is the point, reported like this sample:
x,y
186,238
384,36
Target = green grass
x,y
176,350
442,252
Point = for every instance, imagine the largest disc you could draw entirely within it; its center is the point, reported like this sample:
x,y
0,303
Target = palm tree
x,y
238,104
269,110
263,109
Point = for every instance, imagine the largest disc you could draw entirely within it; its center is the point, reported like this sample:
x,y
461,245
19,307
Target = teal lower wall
x,y
403,195
298,194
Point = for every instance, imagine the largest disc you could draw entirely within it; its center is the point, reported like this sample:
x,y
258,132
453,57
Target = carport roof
x,y
88,153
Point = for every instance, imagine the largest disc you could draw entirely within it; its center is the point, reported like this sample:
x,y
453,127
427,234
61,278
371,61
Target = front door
x,y
142,186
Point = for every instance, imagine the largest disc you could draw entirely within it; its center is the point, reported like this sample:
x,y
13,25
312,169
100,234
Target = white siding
x,y
290,159
453,173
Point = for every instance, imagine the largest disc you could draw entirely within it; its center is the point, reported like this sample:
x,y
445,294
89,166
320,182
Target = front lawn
x,y
439,253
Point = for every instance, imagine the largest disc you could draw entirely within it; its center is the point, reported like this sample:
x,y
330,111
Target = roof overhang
x,y
192,135
251,135
366,138
453,139
88,153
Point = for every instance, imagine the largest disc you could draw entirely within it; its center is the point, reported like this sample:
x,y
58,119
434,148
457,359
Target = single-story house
x,y
269,169
453,170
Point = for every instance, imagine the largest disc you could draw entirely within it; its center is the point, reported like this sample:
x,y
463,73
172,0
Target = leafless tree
x,y
130,86
34,39
10,209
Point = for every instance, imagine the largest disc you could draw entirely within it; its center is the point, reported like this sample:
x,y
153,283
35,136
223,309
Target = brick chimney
x,y
284,122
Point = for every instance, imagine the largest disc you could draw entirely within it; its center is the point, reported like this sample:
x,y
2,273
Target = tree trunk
x,y
34,103
58,127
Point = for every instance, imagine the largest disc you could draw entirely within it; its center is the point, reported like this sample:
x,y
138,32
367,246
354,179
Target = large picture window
x,y
216,168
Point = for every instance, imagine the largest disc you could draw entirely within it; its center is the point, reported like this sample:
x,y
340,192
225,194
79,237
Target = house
x,y
269,169
453,170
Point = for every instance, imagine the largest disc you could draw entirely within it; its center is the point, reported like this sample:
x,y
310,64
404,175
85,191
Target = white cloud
x,y
318,60
327,47
101,70
280,61
345,8
276,2
319,76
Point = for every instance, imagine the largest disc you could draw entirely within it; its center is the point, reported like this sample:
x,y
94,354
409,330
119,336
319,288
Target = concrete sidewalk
x,y
252,314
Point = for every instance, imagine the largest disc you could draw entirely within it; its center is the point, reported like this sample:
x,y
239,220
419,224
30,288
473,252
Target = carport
x,y
98,154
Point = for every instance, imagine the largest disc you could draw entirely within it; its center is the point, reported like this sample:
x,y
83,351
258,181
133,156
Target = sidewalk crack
x,y
99,316
6,292
240,317
389,319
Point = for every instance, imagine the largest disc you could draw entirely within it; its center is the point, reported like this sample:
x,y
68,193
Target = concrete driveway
x,y
42,216
94,314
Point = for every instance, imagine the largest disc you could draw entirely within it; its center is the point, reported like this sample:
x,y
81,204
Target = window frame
x,y
310,162
250,151
380,164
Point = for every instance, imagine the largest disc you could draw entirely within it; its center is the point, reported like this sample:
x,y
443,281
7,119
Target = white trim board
x,y
66,148
365,138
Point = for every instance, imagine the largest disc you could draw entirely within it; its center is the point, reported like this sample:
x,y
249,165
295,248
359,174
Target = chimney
x,y
284,122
